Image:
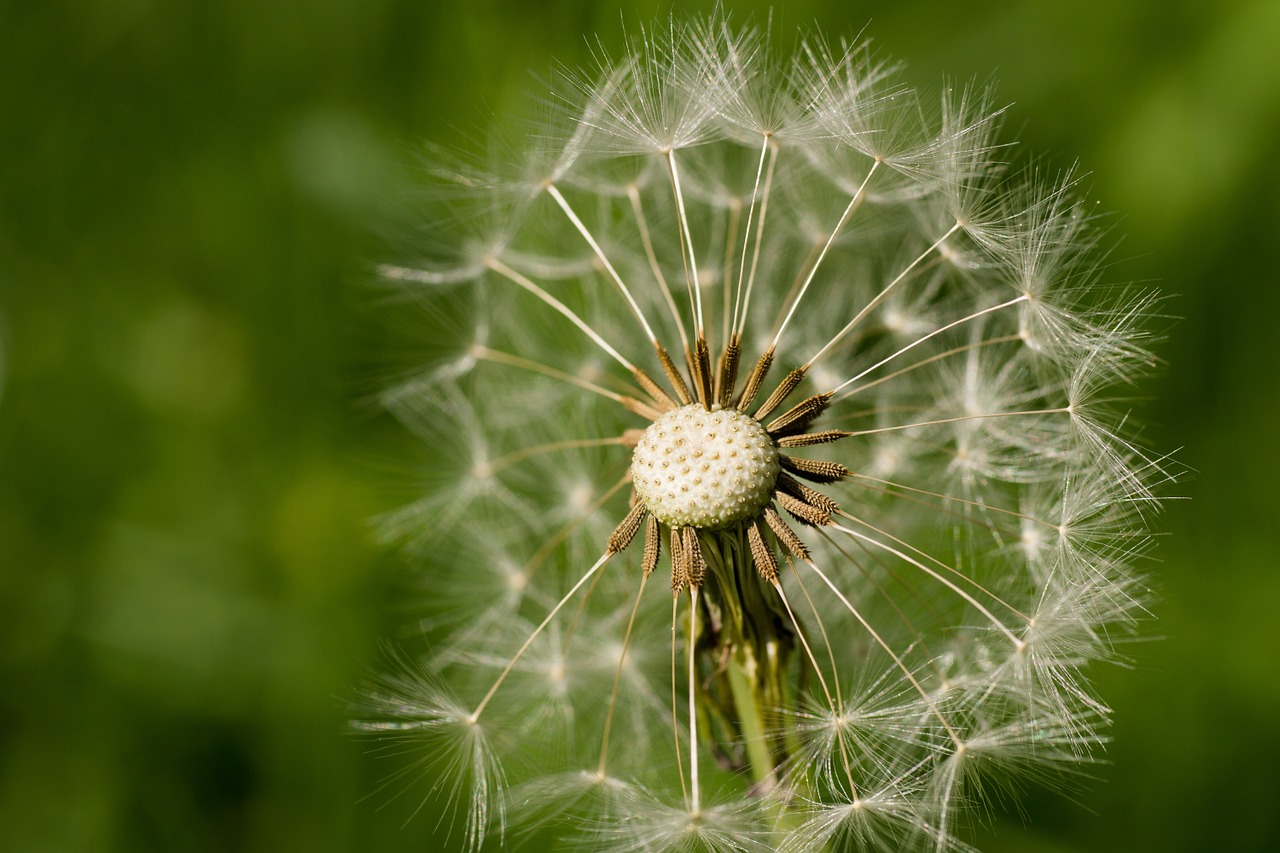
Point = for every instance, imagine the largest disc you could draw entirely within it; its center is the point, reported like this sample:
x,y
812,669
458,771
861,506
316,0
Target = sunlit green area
x,y
192,198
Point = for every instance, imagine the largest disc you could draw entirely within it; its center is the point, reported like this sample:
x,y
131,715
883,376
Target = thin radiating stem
x,y
927,361
524,282
555,193
726,274
630,404
967,319
509,459
553,541
835,232
880,589
617,679
831,702
484,353
987,416
755,253
881,296
686,241
973,602
942,496
693,715
906,671
675,705
746,234
475,715
950,569
822,681
642,223
822,629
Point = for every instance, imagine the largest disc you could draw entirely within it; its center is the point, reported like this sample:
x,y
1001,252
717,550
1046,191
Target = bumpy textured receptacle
x,y
705,469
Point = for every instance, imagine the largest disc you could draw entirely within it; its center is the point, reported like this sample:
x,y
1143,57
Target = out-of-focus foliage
x,y
187,461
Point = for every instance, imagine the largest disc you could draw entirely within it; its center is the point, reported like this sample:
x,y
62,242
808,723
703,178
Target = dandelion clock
x,y
774,495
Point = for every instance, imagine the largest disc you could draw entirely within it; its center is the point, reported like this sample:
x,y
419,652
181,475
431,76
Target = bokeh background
x,y
190,199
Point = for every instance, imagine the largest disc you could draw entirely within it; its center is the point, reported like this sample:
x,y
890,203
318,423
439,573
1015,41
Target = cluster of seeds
x,y
706,469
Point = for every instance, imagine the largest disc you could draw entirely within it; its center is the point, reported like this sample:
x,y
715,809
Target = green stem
x,y
753,732
753,644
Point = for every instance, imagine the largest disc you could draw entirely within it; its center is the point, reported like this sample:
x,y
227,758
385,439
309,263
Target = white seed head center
x,y
699,468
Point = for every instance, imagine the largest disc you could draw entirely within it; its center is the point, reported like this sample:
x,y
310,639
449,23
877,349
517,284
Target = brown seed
x,y
673,375
800,416
785,534
652,545
627,529
814,470
782,392
664,401
796,489
824,437
754,380
761,554
693,557
702,371
802,511
679,564
727,377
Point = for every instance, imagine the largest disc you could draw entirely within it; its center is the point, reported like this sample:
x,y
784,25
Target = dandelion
x,y
775,497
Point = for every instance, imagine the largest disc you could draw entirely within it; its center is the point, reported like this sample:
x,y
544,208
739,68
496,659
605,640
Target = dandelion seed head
x,y
699,468
795,342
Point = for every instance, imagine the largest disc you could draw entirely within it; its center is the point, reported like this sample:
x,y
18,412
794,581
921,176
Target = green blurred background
x,y
188,587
